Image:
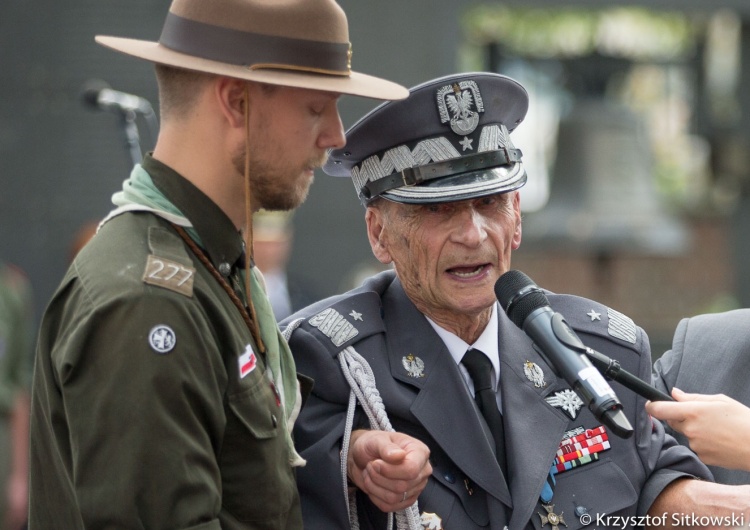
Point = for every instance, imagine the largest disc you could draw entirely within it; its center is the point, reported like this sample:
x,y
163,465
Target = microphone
x,y
527,306
97,94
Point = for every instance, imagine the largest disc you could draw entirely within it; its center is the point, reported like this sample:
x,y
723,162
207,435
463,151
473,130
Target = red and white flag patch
x,y
247,361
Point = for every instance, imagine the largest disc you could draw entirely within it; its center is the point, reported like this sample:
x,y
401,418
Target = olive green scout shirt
x,y
151,407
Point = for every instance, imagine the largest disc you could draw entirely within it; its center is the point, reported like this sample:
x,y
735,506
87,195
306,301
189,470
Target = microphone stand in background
x,y
98,95
132,138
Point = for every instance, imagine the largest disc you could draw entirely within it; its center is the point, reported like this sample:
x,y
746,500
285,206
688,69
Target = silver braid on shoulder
x,y
362,382
294,324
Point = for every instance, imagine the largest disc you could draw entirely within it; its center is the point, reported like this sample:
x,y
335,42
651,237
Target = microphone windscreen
x,y
90,92
519,296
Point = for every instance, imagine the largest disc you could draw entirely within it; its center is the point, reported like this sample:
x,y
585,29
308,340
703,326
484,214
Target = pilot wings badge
x,y
566,400
460,104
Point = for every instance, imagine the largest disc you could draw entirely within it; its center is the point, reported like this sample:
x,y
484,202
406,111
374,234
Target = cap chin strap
x,y
414,176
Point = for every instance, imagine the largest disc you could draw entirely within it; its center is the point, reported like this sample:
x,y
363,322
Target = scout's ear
x,y
232,95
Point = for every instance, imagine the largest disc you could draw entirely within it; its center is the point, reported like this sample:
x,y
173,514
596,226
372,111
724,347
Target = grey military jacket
x,y
467,489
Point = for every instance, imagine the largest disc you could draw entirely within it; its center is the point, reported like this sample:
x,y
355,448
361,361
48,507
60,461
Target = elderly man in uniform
x,y
425,351
164,395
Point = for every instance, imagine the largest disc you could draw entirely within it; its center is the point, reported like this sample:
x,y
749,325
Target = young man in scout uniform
x,y
164,395
425,349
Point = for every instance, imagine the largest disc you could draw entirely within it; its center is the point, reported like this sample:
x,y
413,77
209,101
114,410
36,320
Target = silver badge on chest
x,y
430,521
413,365
534,374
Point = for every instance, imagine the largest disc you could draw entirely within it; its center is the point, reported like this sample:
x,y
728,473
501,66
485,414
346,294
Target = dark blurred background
x,y
636,143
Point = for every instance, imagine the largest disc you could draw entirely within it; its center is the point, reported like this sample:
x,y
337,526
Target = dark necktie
x,y
480,369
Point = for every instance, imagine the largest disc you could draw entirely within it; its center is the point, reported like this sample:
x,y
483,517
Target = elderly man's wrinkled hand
x,y
391,468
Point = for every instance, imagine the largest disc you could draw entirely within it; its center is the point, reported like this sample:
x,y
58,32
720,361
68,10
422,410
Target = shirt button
x,y
274,420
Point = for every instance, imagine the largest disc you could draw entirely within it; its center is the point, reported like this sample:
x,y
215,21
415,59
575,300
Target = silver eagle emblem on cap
x,y
460,104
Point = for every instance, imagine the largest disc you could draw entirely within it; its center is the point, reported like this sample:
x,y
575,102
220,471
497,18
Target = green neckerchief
x,y
140,193
278,355
139,190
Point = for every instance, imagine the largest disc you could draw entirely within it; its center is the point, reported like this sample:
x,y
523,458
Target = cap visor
x,y
462,187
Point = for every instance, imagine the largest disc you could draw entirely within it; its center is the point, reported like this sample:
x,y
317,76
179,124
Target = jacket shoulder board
x,y
592,317
344,321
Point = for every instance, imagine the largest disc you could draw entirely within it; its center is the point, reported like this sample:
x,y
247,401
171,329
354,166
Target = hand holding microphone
x,y
528,308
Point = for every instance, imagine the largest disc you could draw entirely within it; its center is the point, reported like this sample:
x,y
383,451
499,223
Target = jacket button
x,y
450,477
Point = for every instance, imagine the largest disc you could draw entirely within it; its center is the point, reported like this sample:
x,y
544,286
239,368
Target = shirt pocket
x,y
256,407
258,482
587,496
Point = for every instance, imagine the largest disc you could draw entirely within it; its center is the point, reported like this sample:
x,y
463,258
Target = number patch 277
x,y
169,274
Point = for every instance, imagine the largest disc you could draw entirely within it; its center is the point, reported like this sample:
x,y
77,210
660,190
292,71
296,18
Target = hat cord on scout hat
x,y
249,229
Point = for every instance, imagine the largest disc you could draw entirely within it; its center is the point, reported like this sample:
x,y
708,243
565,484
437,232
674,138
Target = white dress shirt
x,y
487,343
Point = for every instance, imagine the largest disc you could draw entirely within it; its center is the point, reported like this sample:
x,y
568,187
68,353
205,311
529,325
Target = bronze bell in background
x,y
603,198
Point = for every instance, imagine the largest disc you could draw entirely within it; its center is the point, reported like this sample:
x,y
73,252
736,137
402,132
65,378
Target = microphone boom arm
x,y
611,369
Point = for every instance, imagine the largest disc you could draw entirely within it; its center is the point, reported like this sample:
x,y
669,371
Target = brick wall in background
x,y
656,292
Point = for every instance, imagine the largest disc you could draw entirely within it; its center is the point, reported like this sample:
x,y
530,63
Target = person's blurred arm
x,y
16,294
18,482
717,426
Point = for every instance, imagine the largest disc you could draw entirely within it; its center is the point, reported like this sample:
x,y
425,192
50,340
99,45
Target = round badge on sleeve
x,y
162,339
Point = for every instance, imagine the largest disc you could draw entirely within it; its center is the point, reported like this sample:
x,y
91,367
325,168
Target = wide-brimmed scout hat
x,y
296,43
448,141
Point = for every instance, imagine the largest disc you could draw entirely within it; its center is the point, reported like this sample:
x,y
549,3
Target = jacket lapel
x,y
533,428
443,405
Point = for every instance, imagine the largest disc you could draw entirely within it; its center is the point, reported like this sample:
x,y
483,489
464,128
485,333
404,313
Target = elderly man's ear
x,y
517,234
374,220
518,230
